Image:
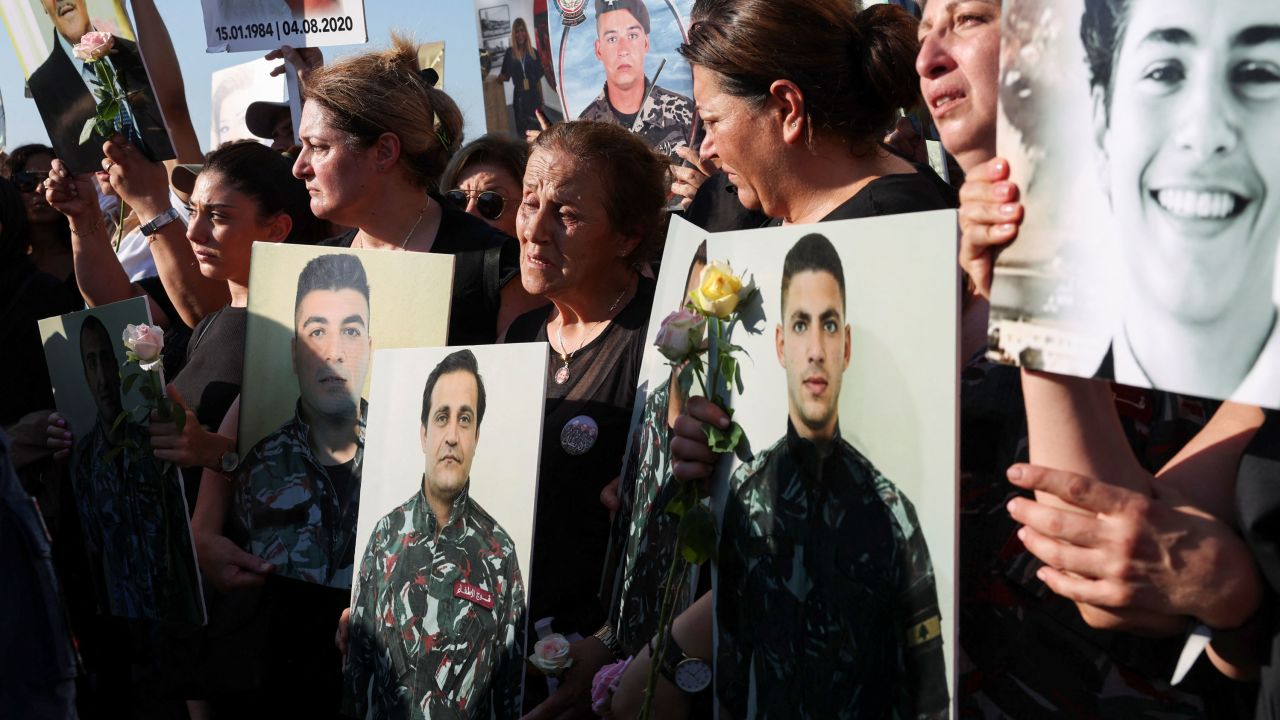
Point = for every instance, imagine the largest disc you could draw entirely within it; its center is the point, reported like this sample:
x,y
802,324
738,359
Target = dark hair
x,y
1102,30
373,93
813,253
855,69
460,361
93,324
507,153
267,176
14,229
332,272
632,174
21,155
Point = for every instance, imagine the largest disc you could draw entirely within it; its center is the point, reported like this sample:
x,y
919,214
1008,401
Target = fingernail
x,y
1012,506
1022,534
66,436
1004,190
1008,209
1014,474
999,167
1041,573
1005,228
265,567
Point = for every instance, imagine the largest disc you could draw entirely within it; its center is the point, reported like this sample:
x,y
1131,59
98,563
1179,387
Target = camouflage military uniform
x,y
826,606
297,518
664,120
437,628
643,537
135,526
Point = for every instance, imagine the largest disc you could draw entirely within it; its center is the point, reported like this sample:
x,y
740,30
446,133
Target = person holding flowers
x,y
588,223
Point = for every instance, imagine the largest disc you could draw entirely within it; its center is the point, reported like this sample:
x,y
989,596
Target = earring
x,y
794,125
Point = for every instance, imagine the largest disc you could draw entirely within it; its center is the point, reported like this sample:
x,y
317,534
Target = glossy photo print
x,y
1141,136
262,25
616,62
516,64
445,535
132,508
68,90
837,513
316,315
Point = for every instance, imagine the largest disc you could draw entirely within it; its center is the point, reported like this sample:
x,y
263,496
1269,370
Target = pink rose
x,y
682,332
551,655
145,342
605,683
94,46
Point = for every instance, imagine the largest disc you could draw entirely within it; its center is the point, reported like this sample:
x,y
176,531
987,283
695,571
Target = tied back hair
x,y
855,69
379,92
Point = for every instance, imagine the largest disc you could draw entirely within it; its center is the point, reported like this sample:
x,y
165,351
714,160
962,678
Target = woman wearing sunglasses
x,y
483,179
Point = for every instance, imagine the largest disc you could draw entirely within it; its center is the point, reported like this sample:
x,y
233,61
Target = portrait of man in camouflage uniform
x,y
299,487
663,118
133,514
437,626
826,605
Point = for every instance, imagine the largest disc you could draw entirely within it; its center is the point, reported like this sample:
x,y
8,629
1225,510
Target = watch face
x,y
693,675
229,461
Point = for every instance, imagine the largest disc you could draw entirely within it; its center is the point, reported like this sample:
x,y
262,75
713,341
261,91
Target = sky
x,y
427,20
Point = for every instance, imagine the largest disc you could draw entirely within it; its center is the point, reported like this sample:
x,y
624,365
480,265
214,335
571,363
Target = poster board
x,y
263,25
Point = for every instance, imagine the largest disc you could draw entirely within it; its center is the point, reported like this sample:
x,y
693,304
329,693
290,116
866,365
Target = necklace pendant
x,y
562,374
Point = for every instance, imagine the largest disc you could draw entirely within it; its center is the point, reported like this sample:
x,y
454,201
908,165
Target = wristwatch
x,y
610,639
229,461
691,675
159,221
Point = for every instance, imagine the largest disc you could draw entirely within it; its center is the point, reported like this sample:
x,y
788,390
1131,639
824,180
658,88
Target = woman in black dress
x,y
522,68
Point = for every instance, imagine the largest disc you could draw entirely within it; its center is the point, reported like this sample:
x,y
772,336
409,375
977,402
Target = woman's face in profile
x,y
1189,151
734,135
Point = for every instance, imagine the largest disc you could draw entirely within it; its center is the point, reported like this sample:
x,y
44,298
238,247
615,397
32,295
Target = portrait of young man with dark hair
x,y
299,487
825,579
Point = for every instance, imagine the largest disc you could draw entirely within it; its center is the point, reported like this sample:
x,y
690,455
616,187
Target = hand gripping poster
x,y
1140,136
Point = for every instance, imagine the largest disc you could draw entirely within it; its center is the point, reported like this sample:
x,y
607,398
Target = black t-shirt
x,y
210,381
27,296
716,207
485,259
572,525
895,194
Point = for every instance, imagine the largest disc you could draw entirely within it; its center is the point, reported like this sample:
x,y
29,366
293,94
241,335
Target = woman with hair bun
x,y
376,137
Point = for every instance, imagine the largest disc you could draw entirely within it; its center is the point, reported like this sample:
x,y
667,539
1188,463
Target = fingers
x,y
1087,562
993,170
172,391
708,412
1078,589
1078,490
609,496
1071,527
694,158
57,434
542,119
341,636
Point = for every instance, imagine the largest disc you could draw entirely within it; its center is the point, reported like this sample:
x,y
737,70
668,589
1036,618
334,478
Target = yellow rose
x,y
717,291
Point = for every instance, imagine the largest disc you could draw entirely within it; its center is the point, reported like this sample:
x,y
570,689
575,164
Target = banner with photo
x,y
68,90
445,534
237,91
259,25
616,61
1148,251
316,315
516,65
846,394
132,507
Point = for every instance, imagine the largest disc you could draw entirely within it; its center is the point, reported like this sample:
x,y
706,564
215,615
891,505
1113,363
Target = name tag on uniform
x,y
467,591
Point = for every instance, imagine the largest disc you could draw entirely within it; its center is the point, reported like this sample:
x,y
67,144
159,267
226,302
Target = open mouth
x,y
1200,204
946,99
537,261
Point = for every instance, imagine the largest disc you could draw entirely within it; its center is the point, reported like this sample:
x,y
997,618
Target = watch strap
x,y
673,655
159,221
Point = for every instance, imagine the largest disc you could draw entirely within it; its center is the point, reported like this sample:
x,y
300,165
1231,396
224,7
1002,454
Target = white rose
x,y
551,655
681,332
146,342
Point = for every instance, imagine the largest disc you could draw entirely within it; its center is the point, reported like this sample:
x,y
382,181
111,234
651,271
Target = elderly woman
x,y
588,222
376,137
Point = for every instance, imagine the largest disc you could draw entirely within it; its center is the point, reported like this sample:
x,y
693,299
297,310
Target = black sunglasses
x,y
27,181
488,203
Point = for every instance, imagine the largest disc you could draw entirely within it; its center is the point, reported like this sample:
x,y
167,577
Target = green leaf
x,y
179,417
147,391
696,535
129,380
87,131
722,441
119,419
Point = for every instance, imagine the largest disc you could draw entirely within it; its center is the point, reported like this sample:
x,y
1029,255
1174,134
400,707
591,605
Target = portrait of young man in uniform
x,y
819,542
437,626
133,515
629,98
299,487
